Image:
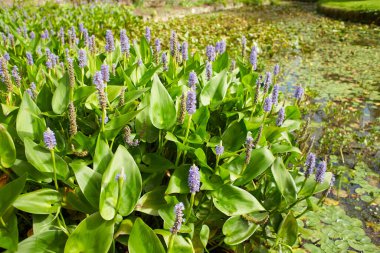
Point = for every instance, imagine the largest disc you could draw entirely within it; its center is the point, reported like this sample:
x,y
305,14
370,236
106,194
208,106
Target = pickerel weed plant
x,y
110,144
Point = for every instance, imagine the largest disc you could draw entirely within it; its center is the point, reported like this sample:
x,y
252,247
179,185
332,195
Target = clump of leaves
x,y
114,146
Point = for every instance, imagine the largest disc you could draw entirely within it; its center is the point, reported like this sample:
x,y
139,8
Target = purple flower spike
x,y
110,44
194,179
178,209
321,172
157,44
191,102
281,117
32,35
49,139
275,94
193,80
210,53
267,104
208,70
298,92
185,50
6,56
105,73
147,34
309,164
243,46
98,80
268,78
82,58
276,70
29,58
124,42
173,41
253,58
219,149
164,60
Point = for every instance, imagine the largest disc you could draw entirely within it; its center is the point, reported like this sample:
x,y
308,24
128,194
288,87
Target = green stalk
x,y
83,76
185,140
103,118
54,168
191,206
171,241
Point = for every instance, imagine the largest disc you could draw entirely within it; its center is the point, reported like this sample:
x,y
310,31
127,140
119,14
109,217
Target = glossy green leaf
x,y
41,159
284,181
279,149
162,109
29,122
61,96
112,128
43,201
144,126
131,188
93,234
288,231
7,148
103,155
178,180
261,160
9,234
234,136
237,230
181,244
10,192
45,242
312,187
152,201
143,239
232,200
215,90
89,181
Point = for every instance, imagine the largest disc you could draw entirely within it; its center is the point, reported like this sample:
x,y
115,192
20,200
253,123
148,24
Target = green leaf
x,y
7,148
232,200
234,136
112,129
29,122
312,187
93,234
162,109
9,234
88,180
215,90
41,159
292,112
10,192
61,96
284,181
221,62
237,230
152,201
288,231
45,242
181,245
43,201
261,160
280,148
178,181
156,163
144,126
103,155
131,188
143,239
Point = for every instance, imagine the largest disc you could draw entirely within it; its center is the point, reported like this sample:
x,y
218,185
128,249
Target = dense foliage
x,y
108,144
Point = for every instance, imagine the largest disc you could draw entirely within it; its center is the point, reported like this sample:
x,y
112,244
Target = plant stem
x,y
185,140
54,168
191,206
171,241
